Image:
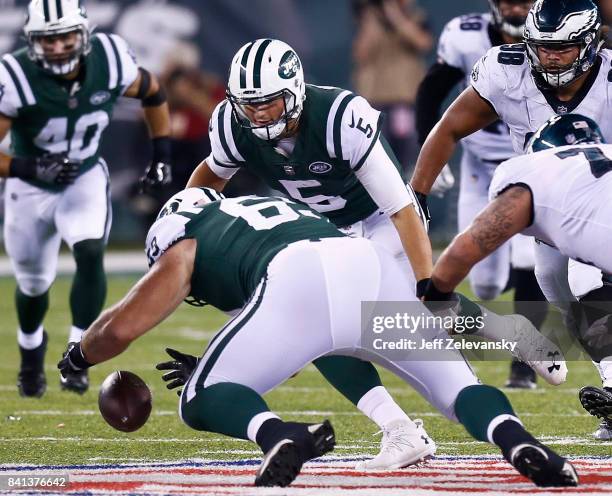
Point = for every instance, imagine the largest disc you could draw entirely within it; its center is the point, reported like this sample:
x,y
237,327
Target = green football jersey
x,y
52,115
337,131
236,240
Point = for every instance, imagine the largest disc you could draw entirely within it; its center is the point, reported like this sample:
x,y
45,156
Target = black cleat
x,y
522,376
598,402
543,466
31,381
282,464
77,382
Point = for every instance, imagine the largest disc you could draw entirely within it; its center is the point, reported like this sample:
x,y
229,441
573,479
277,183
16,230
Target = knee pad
x,y
34,284
486,293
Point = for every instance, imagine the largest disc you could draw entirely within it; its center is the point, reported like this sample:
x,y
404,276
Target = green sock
x,y
31,310
477,406
226,408
350,376
88,290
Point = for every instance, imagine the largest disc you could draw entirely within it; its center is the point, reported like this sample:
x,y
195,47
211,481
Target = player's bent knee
x,y
88,251
486,292
34,285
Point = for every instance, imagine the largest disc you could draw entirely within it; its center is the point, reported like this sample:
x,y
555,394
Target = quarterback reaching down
x,y
300,283
56,99
322,147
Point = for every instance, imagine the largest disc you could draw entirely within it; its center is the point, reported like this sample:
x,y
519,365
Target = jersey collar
x,y
561,107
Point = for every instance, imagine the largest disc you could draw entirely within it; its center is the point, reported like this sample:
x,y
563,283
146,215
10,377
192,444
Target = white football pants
x,y
309,305
36,220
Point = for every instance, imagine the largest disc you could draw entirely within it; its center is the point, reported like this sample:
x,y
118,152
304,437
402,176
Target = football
x,y
125,401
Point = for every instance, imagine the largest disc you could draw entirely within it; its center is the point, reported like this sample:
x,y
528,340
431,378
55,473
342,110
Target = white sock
x,y
75,334
255,423
31,340
605,371
380,407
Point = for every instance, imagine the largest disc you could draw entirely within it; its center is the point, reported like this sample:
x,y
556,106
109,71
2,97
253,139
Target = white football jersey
x,y
572,193
463,42
503,78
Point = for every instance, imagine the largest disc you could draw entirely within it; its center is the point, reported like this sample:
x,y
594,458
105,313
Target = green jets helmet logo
x,y
289,65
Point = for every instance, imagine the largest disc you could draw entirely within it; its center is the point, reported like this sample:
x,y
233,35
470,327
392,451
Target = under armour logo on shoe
x,y
554,366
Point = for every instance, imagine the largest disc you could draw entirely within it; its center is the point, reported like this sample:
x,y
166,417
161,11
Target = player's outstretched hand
x,y
181,368
156,175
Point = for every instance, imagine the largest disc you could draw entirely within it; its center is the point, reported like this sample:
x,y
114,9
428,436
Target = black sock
x,y
34,359
88,290
30,310
509,434
270,433
529,300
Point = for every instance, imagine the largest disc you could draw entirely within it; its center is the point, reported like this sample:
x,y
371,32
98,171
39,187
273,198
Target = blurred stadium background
x,y
200,37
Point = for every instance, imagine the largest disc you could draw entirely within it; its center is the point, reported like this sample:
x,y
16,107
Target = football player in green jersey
x,y
300,284
56,99
322,147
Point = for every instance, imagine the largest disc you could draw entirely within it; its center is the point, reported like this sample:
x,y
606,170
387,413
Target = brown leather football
x,y
124,401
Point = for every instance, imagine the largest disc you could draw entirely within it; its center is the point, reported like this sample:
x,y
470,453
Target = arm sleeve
x,y
433,90
383,182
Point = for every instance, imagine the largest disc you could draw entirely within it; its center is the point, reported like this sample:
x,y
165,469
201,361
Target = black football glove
x,y
54,168
180,368
73,360
156,175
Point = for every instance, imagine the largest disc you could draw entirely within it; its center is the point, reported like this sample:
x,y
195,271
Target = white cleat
x,y
404,443
536,350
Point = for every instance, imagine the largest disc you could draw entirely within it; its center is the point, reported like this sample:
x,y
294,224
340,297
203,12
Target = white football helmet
x,y
511,25
559,24
189,199
55,17
261,71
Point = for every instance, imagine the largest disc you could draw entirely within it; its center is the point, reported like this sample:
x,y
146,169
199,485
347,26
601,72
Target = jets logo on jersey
x,y
99,97
319,167
289,65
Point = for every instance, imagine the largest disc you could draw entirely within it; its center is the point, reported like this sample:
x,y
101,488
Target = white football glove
x,y
444,182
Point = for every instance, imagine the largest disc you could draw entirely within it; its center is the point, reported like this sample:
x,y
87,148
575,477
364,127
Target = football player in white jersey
x,y
463,42
560,68
559,193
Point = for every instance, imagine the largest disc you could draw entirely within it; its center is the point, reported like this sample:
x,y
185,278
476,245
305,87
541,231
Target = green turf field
x,y
63,428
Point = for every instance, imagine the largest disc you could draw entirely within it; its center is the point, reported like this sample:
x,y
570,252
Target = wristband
x,y
76,358
421,286
162,149
23,168
434,294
